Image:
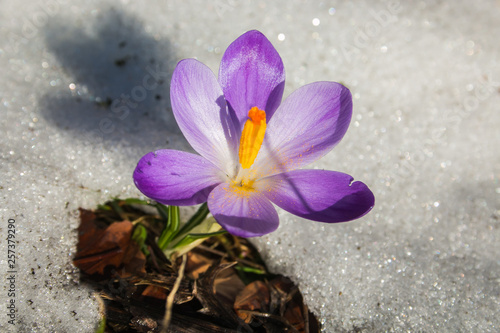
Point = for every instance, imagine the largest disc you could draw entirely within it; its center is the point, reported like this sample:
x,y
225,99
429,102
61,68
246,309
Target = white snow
x,y
425,77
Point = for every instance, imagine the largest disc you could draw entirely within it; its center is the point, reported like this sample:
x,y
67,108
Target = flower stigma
x,y
251,140
252,137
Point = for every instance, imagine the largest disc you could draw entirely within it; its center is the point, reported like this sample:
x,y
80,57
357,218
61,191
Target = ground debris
x,y
227,287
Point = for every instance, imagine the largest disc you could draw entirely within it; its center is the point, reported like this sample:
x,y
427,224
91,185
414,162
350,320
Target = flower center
x,y
243,187
252,137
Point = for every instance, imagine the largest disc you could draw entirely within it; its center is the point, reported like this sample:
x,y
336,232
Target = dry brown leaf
x,y
228,285
100,247
197,264
155,292
254,297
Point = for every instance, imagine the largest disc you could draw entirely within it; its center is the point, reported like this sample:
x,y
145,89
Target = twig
x,y
283,320
170,299
306,317
222,254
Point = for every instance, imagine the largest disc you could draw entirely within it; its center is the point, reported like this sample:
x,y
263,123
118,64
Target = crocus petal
x,y
242,213
176,178
319,195
306,126
252,74
202,115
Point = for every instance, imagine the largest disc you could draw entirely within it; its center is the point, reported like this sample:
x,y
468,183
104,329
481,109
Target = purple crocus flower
x,y
251,145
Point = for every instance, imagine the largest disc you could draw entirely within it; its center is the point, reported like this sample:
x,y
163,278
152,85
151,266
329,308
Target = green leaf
x,y
171,229
114,204
140,234
102,325
197,218
163,212
186,242
135,201
250,270
174,218
104,207
188,239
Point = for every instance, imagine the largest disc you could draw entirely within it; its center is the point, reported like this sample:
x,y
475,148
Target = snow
x,y
84,93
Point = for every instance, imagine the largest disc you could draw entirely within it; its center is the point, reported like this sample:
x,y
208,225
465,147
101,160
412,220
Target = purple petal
x,y
176,178
306,126
201,112
320,195
252,74
242,213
